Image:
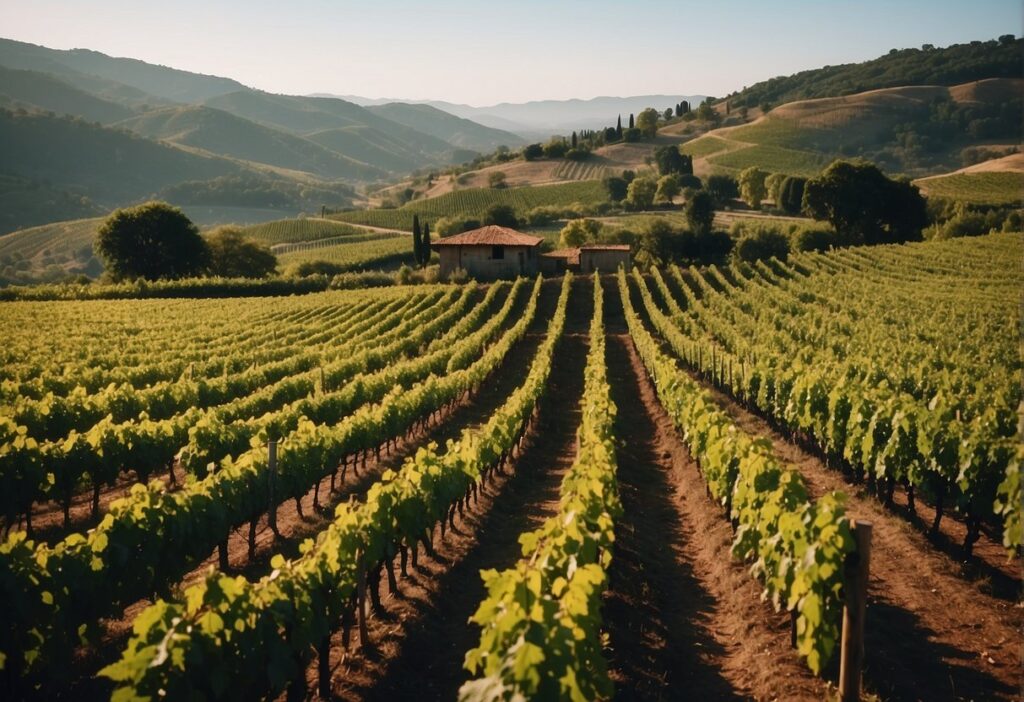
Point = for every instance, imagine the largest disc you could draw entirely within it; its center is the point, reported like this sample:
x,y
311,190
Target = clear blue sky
x,y
482,52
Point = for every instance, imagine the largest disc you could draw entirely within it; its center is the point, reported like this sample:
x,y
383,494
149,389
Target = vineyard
x,y
368,250
288,231
633,486
473,202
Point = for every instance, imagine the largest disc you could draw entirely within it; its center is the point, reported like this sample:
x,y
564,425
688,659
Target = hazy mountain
x,y
160,81
42,91
308,115
106,165
222,133
457,131
546,117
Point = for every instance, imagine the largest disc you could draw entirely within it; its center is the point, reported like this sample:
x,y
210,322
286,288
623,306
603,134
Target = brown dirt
x,y
685,619
931,633
417,646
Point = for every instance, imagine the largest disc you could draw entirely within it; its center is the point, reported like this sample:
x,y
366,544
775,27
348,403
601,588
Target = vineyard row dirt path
x,y
417,646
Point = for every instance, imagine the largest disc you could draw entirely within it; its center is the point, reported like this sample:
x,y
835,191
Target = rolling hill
x,y
143,79
225,134
34,90
952,65
919,130
997,181
456,131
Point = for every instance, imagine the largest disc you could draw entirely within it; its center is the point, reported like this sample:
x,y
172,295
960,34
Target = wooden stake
x,y
272,479
855,587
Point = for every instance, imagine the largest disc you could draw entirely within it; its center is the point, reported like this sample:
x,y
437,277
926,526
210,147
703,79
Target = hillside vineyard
x,y
539,489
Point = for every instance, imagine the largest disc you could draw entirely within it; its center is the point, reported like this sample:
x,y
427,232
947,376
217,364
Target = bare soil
x,y
935,629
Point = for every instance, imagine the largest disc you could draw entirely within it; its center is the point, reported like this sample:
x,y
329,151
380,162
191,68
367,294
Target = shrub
x,y
762,244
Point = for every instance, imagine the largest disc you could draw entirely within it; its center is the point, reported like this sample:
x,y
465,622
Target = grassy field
x,y
985,188
774,159
382,252
286,231
473,202
704,146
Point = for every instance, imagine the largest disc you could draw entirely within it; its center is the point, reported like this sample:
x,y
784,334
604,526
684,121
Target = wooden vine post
x,y
272,480
855,586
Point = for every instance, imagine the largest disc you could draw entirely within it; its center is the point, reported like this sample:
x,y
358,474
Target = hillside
x,y
454,130
106,165
952,65
222,133
998,181
145,78
42,91
919,130
49,252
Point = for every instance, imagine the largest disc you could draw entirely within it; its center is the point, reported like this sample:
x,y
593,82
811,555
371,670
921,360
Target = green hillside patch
x,y
49,252
986,188
473,202
284,231
774,159
704,146
380,253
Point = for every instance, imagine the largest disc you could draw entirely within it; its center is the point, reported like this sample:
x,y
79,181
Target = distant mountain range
x,y
153,131
540,119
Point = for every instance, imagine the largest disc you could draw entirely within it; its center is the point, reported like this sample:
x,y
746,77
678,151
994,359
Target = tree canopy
x,y
501,215
647,122
231,255
151,241
700,212
865,206
640,193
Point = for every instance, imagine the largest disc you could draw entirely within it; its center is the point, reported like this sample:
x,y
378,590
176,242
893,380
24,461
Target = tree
x,y
555,148
231,255
722,188
631,123
791,194
618,128
773,186
578,232
153,240
706,112
616,188
670,160
647,122
425,248
752,189
640,193
700,212
501,215
531,152
631,135
668,113
417,239
668,188
864,206
574,141
762,244
496,179
658,240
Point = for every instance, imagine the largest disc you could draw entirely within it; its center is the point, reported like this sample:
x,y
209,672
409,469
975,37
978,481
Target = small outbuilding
x,y
588,258
489,252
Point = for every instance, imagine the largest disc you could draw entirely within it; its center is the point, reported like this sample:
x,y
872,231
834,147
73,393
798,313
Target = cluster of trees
x,y
155,241
249,190
420,242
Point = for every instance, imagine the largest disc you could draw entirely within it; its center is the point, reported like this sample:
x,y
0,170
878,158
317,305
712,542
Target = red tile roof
x,y
572,256
491,235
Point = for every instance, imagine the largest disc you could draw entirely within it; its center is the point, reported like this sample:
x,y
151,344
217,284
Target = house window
x,y
497,252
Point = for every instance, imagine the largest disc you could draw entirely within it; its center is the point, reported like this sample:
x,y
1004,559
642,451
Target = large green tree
x,y
151,241
231,255
640,193
647,122
501,215
865,206
700,212
752,187
670,160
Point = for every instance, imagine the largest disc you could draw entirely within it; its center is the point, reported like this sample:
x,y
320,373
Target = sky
x,y
481,53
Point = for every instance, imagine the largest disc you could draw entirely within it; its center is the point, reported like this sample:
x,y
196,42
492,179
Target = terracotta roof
x,y
491,235
605,247
570,255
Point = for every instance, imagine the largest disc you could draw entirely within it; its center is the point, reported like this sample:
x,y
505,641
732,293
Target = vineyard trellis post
x,y
272,479
855,587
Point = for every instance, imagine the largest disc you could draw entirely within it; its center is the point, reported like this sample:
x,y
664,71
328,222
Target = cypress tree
x,y
618,128
417,242
632,124
426,244
574,140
